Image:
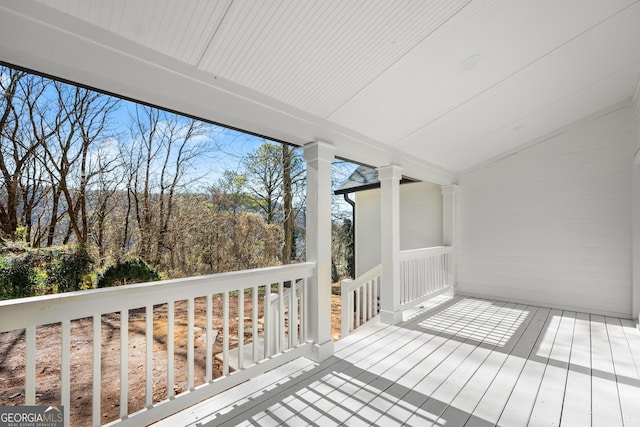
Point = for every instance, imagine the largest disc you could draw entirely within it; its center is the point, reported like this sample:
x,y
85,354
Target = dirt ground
x,y
48,339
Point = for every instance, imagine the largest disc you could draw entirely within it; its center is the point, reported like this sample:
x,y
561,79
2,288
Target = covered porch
x,y
524,315
456,362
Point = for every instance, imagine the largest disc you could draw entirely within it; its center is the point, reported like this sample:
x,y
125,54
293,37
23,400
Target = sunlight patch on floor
x,y
477,320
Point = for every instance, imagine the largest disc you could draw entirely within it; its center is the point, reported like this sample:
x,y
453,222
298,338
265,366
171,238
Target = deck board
x,y
605,404
548,404
463,361
523,397
576,409
625,371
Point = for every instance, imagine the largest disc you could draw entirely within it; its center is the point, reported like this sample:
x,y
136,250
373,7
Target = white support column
x,y
449,226
390,176
319,156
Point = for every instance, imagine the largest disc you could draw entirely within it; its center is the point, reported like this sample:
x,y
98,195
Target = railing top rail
x,y
363,278
35,311
421,252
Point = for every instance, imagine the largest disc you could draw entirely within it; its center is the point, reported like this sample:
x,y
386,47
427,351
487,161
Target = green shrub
x,y
133,270
68,269
18,276
45,271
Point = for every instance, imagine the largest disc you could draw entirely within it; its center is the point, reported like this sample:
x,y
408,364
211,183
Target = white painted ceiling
x,y
451,83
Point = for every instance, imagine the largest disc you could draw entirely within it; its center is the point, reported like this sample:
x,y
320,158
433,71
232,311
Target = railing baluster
x,y
372,307
281,325
363,303
225,334
293,316
367,300
425,276
241,329
411,289
170,349
358,300
411,280
209,349
254,323
267,326
403,280
435,267
421,283
376,290
303,302
445,269
124,363
65,368
97,369
432,270
190,343
148,311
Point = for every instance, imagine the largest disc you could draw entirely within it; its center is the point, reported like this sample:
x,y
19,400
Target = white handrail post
x,y
390,176
449,228
347,309
271,316
319,156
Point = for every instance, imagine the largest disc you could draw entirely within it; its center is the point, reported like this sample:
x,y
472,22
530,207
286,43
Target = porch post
x,y
319,156
390,244
449,225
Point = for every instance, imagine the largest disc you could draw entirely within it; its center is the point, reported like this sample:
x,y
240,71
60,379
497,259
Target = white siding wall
x,y
636,115
636,203
552,224
420,221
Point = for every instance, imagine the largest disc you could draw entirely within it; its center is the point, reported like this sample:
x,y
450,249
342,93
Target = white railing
x,y
359,300
285,312
424,273
180,306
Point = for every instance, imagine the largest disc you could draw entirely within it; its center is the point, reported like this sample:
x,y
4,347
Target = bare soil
x,y
48,342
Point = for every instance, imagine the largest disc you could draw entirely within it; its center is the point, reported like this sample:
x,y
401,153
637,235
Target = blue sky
x,y
234,146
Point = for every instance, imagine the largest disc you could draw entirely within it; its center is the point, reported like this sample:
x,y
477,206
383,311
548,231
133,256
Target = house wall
x,y
636,202
420,221
636,115
551,224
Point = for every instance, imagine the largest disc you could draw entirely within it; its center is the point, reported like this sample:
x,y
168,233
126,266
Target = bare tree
x,y
103,199
69,155
22,132
264,171
275,179
166,148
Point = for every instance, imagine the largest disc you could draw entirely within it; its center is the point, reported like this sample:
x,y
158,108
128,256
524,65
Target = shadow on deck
x,y
460,361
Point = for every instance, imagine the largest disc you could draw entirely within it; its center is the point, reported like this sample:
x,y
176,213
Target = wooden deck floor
x,y
464,362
